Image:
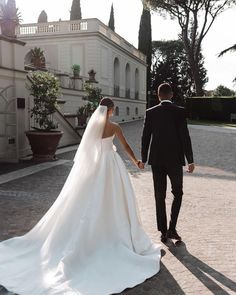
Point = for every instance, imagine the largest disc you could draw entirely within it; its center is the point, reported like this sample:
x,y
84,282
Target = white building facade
x,y
120,73
120,68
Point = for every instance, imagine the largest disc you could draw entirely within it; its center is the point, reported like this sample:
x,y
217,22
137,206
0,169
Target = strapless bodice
x,y
107,143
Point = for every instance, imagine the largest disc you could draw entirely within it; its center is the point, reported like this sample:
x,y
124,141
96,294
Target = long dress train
x,y
93,244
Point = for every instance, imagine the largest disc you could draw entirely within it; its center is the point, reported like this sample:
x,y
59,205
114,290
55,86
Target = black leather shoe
x,y
163,238
172,234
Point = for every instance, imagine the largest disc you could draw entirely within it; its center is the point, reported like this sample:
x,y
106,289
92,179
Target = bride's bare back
x,y
112,129
109,129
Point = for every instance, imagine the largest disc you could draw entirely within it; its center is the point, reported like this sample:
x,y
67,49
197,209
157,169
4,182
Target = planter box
x,y
76,83
64,80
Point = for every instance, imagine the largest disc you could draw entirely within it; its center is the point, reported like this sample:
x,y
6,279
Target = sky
x,y
221,71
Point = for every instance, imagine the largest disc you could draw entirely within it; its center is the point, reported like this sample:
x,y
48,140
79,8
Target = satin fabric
x,y
90,242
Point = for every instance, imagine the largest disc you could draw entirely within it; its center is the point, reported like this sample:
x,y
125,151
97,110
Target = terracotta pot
x,y
44,144
92,76
37,62
8,28
82,120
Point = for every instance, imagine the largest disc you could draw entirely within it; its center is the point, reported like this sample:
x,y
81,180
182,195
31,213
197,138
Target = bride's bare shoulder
x,y
115,126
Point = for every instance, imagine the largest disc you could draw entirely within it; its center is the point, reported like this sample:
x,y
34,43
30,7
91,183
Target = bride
x,y
91,241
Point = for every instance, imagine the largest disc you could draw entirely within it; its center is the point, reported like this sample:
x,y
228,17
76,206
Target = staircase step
x,y
61,101
12,125
7,113
70,115
81,127
4,136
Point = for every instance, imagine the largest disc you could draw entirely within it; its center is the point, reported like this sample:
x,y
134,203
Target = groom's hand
x,y
141,165
191,167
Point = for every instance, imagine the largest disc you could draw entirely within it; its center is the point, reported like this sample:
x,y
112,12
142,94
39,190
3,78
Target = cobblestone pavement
x,y
205,262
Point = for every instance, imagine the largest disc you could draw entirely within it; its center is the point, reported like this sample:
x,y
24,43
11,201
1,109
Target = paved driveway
x,y
205,262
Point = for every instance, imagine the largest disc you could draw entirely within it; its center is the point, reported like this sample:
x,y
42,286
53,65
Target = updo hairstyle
x,y
108,102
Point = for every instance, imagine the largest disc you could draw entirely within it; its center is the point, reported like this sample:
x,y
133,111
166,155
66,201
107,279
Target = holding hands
x,y
140,164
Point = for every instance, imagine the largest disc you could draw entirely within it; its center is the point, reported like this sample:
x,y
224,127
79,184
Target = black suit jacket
x,y
166,134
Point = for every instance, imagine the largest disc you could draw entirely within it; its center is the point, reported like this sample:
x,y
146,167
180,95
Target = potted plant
x,y
76,70
81,116
93,95
37,58
92,74
44,139
10,18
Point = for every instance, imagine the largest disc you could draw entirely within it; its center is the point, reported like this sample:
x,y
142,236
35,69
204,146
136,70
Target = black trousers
x,y
175,174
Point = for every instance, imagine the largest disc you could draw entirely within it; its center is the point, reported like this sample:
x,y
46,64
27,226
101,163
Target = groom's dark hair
x,y
107,101
164,89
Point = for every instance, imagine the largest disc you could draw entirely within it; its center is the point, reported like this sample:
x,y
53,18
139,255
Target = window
x,y
117,111
116,77
127,81
136,84
127,111
136,111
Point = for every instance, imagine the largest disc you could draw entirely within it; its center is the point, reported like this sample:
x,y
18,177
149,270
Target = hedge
x,y
211,108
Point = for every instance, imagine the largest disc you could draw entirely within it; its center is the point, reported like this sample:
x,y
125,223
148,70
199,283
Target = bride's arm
x,y
123,141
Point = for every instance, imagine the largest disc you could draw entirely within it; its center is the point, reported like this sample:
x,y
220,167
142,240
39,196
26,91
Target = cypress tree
x,y
75,13
43,17
111,23
145,44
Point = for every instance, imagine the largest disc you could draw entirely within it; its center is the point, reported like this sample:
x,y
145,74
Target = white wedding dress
x,y
91,241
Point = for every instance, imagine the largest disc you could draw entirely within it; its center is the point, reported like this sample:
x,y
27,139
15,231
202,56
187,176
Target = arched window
x,y
117,111
136,84
116,77
127,81
136,111
127,111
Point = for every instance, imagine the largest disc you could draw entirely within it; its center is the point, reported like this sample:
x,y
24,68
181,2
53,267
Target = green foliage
x,y
37,52
75,13
43,17
189,15
44,87
211,108
111,23
37,57
76,67
170,65
9,12
93,96
223,91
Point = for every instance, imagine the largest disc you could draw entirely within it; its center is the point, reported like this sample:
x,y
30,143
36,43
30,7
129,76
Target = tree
x,y
145,44
231,48
195,18
43,17
75,13
111,23
223,91
171,65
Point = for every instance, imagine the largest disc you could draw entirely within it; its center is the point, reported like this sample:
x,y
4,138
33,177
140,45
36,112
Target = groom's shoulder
x,y
152,109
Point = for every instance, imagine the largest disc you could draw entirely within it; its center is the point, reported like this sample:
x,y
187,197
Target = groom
x,y
166,137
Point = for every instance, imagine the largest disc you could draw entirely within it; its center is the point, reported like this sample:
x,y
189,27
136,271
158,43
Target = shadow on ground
x,y
208,276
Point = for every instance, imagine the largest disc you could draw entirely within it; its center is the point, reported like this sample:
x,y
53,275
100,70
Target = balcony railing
x,y
74,27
